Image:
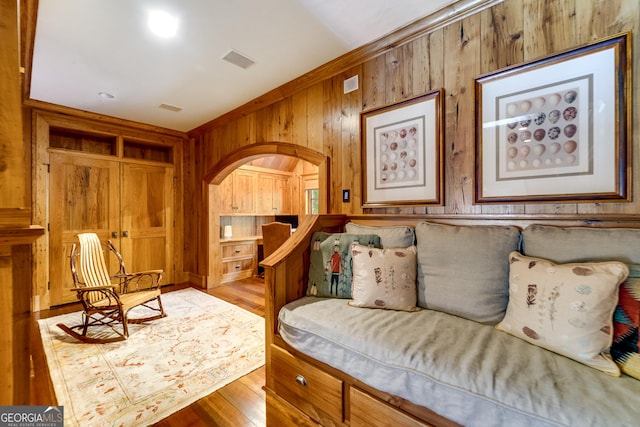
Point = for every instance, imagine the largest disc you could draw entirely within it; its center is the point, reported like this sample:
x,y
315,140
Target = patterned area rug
x,y
203,344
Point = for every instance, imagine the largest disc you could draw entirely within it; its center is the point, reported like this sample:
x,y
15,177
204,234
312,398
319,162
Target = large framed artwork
x,y
402,153
557,129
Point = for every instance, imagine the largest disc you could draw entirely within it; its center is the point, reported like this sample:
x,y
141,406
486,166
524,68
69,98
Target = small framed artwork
x,y
557,129
402,153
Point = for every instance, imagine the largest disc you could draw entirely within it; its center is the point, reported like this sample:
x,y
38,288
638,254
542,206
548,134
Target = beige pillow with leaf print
x,y
384,278
565,308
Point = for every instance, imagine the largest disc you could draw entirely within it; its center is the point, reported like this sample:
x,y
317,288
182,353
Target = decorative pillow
x,y
626,320
330,263
565,308
384,278
582,244
464,270
400,236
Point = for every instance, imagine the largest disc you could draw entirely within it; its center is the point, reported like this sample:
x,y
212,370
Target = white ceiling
x,y
83,47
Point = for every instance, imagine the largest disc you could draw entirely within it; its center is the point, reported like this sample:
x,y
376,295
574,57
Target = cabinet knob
x,y
125,234
114,234
301,380
238,251
237,265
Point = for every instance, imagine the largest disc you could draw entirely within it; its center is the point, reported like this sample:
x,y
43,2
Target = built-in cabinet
x,y
238,193
123,188
274,195
250,190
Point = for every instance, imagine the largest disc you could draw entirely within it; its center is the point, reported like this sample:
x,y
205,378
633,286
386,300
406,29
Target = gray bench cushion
x,y
468,372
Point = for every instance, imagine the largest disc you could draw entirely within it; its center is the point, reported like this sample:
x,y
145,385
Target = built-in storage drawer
x,y
230,250
313,391
239,266
239,259
367,411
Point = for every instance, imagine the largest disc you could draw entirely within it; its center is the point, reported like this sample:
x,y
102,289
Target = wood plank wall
x,y
320,117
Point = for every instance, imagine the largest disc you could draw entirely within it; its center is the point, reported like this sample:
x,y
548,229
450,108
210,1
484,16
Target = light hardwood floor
x,y
239,404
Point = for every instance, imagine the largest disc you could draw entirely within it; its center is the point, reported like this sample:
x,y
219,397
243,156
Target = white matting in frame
x,y
554,129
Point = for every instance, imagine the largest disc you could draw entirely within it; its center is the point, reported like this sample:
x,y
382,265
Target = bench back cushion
x,y
582,244
400,236
464,270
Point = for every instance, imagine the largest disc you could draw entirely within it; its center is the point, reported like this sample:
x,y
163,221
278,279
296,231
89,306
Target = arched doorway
x,y
216,175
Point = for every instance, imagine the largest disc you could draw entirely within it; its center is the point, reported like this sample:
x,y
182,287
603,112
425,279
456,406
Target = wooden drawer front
x,y
237,266
237,249
367,411
313,391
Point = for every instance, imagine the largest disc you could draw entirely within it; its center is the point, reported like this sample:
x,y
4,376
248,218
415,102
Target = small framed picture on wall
x,y
402,153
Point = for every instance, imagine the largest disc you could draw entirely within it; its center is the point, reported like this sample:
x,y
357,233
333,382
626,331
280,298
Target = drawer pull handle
x,y
237,266
301,380
238,251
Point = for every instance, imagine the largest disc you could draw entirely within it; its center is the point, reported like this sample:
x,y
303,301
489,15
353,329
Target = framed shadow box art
x,y
557,129
402,153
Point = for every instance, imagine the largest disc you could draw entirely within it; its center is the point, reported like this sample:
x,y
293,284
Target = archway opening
x,y
257,174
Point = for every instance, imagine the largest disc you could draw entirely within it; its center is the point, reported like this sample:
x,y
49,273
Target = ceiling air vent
x,y
170,107
236,58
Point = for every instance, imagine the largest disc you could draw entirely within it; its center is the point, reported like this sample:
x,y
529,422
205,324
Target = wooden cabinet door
x,y
225,192
146,238
84,197
282,195
265,194
244,189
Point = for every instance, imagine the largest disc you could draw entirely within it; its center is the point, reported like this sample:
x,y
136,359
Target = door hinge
x,y
48,165
48,286
48,227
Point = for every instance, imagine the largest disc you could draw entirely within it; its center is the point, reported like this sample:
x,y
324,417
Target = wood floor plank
x,y
238,404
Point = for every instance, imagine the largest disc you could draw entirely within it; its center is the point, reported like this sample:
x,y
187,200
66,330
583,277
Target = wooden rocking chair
x,y
105,303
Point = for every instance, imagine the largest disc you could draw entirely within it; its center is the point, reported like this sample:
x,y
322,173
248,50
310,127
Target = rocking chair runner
x,y
102,304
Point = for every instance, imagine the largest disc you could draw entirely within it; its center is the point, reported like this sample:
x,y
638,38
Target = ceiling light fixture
x,y
162,24
106,95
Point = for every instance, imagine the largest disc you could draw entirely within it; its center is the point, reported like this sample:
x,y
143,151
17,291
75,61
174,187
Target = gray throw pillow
x,y
464,270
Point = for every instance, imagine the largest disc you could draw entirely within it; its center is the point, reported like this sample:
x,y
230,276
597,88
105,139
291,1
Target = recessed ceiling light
x,y
162,24
106,95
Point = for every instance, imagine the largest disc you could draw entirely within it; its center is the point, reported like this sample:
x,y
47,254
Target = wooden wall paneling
x,y
462,64
191,224
501,46
332,110
350,146
314,119
432,45
298,125
265,123
40,170
284,120
373,89
394,64
420,69
596,20
373,83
